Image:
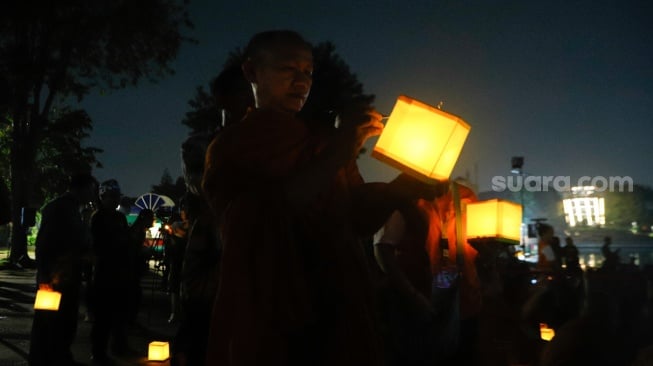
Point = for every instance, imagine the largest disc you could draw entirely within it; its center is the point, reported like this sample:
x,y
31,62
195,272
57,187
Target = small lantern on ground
x,y
47,299
494,219
546,333
421,140
158,351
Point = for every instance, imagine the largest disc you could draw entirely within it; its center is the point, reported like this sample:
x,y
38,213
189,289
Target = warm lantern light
x,y
158,351
47,300
495,218
421,140
546,333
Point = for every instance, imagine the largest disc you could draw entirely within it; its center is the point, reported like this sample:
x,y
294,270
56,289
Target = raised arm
x,y
303,186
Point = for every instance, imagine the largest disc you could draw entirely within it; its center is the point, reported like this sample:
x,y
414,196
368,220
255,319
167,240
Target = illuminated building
x,y
584,207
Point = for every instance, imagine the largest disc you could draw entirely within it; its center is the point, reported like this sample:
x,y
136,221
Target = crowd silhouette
x,y
283,255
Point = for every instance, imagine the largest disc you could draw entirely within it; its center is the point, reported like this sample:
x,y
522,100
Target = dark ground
x,y
17,291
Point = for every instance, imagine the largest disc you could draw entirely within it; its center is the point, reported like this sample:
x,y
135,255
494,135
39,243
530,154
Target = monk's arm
x,y
374,202
305,184
385,242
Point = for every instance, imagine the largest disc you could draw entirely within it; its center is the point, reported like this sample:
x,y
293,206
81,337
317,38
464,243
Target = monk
x,y
291,207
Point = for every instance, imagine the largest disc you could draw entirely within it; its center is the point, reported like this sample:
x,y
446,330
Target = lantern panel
x,y
449,155
494,219
482,219
421,140
158,351
511,220
47,300
546,333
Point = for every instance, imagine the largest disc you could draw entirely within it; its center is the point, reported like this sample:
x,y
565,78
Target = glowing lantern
x,y
421,140
47,300
158,351
494,218
546,333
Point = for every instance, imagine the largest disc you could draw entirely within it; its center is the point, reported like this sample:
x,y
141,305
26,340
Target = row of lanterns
x,y
419,140
48,299
425,142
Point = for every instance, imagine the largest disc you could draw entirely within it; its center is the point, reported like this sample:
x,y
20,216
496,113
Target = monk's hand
x,y
356,125
408,188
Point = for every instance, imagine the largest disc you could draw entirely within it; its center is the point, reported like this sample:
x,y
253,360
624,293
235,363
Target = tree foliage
x,y
67,47
61,153
174,189
335,88
204,115
61,49
624,208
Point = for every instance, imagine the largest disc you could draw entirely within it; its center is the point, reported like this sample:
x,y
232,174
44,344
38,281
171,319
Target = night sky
x,y
568,85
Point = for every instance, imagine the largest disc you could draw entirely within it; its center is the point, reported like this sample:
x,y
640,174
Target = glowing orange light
x,y
158,351
421,140
47,300
546,333
494,218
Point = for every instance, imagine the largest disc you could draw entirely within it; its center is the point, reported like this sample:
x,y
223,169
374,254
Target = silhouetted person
x,y
175,250
610,257
61,246
436,311
199,272
546,256
137,251
571,255
594,338
199,276
557,252
113,275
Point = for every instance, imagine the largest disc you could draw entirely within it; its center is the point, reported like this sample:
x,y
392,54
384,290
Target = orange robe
x,y
419,254
294,285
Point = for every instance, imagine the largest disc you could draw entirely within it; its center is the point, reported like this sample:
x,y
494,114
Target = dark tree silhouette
x,y
61,154
204,115
624,208
334,89
174,189
51,49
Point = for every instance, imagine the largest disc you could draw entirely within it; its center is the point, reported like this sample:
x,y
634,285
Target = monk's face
x,y
282,78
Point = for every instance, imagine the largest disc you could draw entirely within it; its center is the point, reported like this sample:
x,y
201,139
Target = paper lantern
x,y
47,300
158,351
498,219
546,333
421,140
